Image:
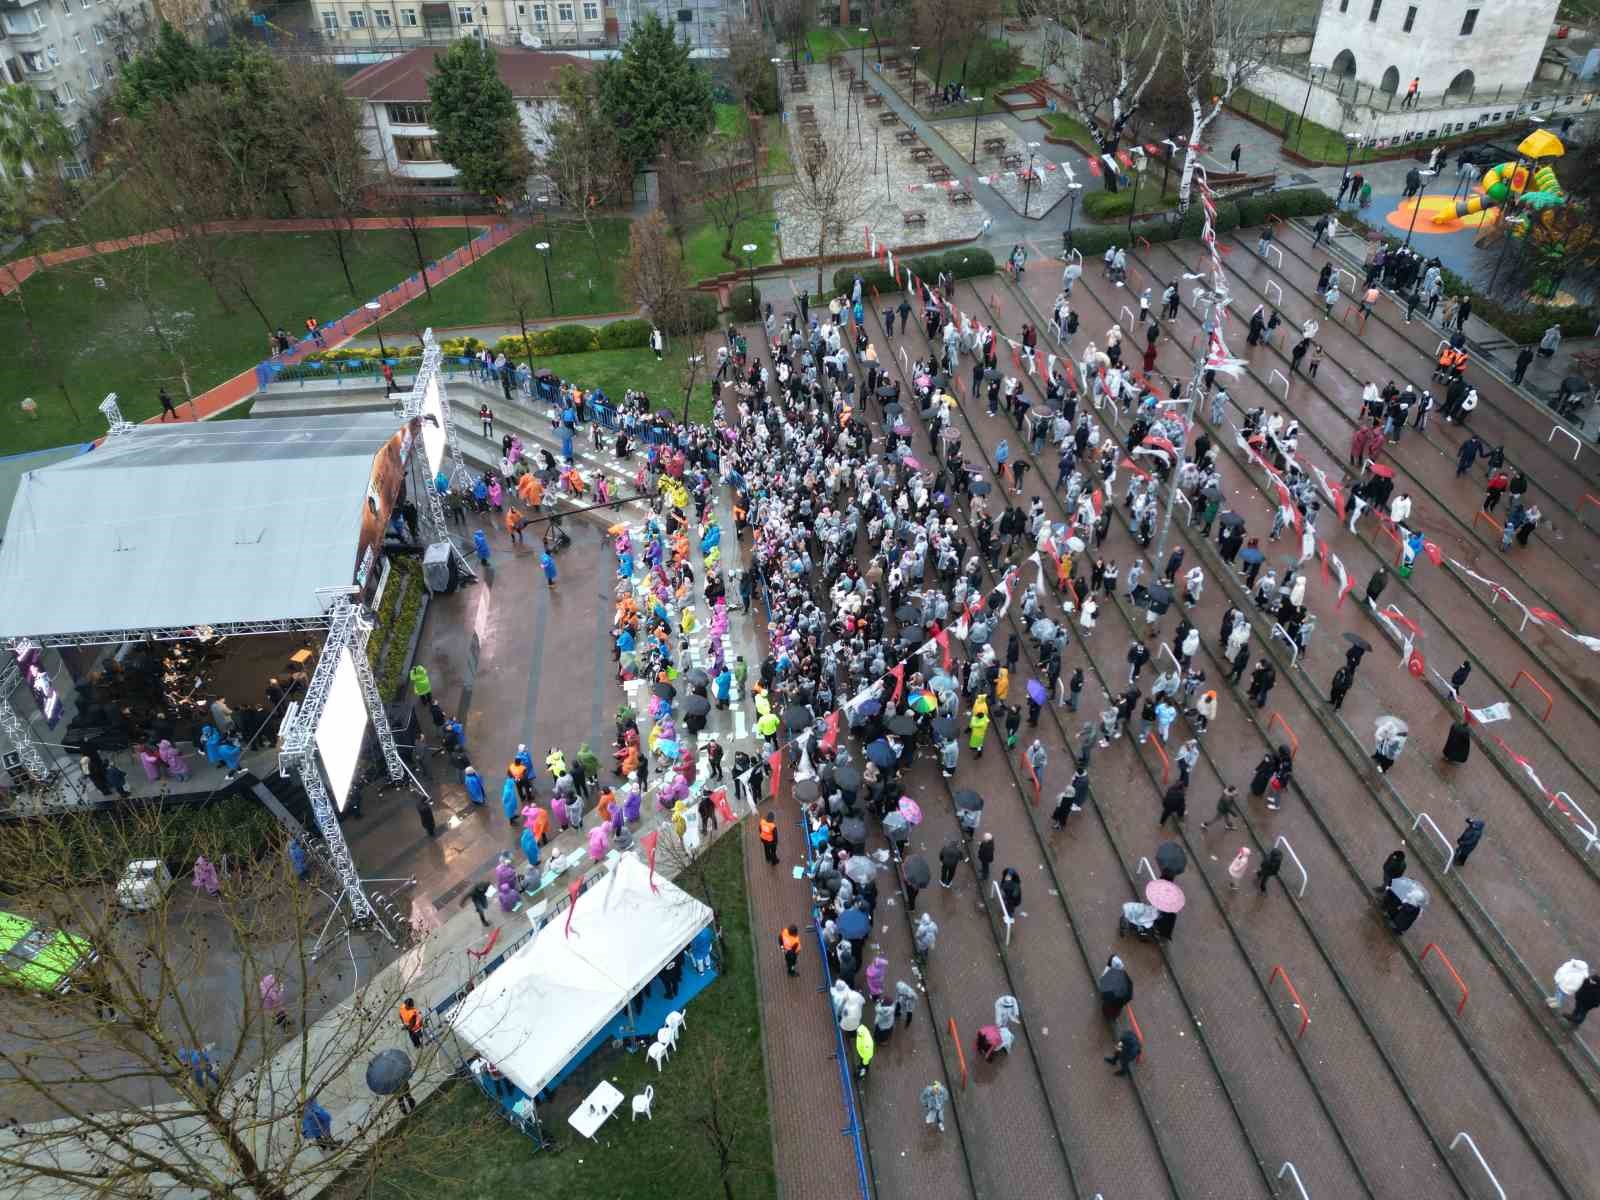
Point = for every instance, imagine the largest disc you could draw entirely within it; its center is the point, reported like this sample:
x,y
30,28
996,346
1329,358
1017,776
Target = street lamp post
x,y
1311,74
1138,173
777,85
376,309
1073,189
750,249
1416,206
977,102
875,149
863,31
549,294
1027,179
915,51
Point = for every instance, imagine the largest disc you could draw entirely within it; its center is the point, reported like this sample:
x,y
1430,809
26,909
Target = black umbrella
x,y
908,612
848,778
797,717
1115,986
1231,520
696,677
882,754
828,880
886,391
806,789
981,487
1170,857
665,690
901,726
1211,492
388,1071
1357,640
990,375
854,831
696,706
916,871
1160,595
945,727
969,801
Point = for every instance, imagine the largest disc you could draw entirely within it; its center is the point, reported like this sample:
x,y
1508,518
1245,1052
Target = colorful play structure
x,y
1508,183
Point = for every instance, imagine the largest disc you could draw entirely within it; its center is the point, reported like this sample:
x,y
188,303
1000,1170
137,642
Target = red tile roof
x,y
528,73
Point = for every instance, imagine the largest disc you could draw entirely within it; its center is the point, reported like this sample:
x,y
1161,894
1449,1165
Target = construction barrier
x,y
1481,515
1433,948
1166,763
1305,1013
961,1055
1549,700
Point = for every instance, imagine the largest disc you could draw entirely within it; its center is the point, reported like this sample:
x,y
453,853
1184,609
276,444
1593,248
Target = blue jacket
x,y
317,1122
474,785
508,798
480,544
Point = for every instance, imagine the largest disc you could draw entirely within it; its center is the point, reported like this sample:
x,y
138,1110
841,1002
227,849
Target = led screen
x,y
341,730
433,440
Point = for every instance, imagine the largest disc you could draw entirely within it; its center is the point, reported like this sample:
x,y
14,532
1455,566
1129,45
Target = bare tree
x,y
519,293
409,206
829,195
750,70
1111,58
336,172
128,1062
724,196
19,205
656,281
790,23
584,160
678,187
1220,45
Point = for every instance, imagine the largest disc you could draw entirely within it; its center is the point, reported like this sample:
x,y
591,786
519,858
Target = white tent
x,y
548,1000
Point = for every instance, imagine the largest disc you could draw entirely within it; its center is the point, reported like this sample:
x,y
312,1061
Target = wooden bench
x,y
960,197
888,118
873,99
858,85
921,154
1011,161
914,217
908,137
938,173
995,145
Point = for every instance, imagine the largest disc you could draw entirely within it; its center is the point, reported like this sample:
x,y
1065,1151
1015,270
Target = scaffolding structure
x,y
409,406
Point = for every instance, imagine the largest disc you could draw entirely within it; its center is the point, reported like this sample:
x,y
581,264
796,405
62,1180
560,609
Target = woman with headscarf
x,y
1458,743
1011,890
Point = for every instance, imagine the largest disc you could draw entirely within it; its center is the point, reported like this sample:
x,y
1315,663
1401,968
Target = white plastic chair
x,y
668,1037
658,1055
677,1023
642,1102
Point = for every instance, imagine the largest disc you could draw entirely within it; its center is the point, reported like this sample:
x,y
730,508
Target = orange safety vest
x,y
768,830
1459,361
411,1017
1444,359
789,941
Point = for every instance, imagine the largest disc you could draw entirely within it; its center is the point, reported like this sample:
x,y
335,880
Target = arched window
x,y
1344,64
1461,85
1391,81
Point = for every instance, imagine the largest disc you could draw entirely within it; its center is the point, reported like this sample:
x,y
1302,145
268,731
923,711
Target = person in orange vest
x,y
789,939
1411,92
313,332
769,838
411,1018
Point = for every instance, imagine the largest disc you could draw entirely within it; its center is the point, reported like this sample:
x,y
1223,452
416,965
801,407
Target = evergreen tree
x,y
653,93
476,118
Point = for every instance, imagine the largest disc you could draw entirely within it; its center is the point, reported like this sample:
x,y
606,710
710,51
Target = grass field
x,y
93,340
702,246
667,1157
615,371
585,277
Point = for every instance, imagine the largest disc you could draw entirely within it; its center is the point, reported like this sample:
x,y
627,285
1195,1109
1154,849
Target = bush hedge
x,y
97,848
702,313
744,303
1231,214
968,263
631,334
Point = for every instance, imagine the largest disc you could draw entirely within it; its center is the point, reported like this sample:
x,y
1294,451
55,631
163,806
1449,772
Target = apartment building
x,y
69,51
700,23
394,95
528,23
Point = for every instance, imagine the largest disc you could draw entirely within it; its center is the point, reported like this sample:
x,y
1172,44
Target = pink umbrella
x,y
910,810
1165,895
911,462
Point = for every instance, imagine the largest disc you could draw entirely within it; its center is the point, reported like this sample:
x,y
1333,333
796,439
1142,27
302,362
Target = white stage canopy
x,y
548,1000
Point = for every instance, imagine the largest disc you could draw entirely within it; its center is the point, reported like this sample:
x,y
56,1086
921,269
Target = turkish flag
x,y
943,638
899,673
648,841
831,738
573,892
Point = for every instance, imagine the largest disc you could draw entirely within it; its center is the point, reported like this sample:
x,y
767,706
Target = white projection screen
x,y
341,729
433,439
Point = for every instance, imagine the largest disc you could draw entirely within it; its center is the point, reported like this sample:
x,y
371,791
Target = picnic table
x,y
938,173
994,145
873,99
797,83
858,85
921,154
914,216
888,118
961,197
1011,161
908,137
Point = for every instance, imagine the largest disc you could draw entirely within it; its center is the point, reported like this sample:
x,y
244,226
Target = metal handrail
x,y
1478,1154
1305,1013
1295,1175
1305,879
1577,446
1448,966
1005,912
1449,851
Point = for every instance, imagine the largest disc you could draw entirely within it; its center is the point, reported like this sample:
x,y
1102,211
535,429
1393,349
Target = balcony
x,y
41,74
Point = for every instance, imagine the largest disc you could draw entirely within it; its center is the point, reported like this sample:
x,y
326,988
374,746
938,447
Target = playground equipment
x,y
1508,182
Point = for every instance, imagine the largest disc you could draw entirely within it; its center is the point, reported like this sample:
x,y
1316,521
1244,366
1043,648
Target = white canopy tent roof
x,y
205,523
548,1000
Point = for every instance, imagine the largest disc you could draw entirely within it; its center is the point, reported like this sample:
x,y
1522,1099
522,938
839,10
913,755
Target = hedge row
x,y
744,304
1231,214
961,264
237,828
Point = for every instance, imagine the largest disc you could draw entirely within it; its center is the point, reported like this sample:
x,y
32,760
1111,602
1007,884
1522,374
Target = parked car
x,y
40,960
1485,154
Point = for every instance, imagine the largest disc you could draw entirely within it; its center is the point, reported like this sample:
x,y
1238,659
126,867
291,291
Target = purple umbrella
x,y
1036,691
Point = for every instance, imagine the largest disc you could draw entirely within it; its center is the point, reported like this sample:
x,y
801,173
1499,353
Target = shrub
x,y
631,334
238,827
1194,219
565,339
462,345
744,303
991,62
968,264
871,277
700,313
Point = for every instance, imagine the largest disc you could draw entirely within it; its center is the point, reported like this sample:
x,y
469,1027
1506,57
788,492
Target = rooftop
x,y
528,73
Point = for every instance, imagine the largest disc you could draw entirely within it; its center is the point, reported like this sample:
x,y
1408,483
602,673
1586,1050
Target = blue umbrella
x,y
869,708
853,924
882,754
388,1071
1251,555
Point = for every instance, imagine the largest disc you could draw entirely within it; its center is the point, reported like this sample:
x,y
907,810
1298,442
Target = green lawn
x,y
1314,141
93,340
615,371
702,246
824,40
667,1157
586,277
731,119
1072,129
